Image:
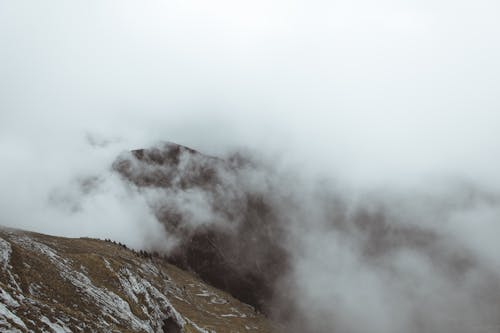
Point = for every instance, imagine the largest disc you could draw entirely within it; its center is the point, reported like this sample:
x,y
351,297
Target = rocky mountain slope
x,y
221,212
54,284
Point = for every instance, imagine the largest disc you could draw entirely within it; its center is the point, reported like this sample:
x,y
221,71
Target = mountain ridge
x,y
239,243
58,284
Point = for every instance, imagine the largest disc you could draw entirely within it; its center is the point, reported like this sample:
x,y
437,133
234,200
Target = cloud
x,y
407,88
384,112
323,258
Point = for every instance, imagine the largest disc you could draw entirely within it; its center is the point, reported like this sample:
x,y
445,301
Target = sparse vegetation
x,y
46,290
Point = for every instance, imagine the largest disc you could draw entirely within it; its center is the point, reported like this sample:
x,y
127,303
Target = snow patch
x,y
108,264
110,303
138,289
155,300
214,298
6,314
7,299
150,268
5,253
56,328
200,329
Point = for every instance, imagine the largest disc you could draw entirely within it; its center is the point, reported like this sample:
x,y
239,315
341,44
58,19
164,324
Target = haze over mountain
x,y
311,256
355,140
300,253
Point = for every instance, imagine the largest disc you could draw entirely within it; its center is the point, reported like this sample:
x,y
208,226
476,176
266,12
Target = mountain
x,y
222,212
55,284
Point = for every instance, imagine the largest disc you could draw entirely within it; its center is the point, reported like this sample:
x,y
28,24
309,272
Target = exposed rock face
x,y
234,242
55,284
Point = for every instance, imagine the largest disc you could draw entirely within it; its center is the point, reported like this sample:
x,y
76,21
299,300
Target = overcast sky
x,y
396,100
373,93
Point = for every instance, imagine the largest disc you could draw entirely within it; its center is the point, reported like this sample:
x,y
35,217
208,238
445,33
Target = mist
x,y
373,128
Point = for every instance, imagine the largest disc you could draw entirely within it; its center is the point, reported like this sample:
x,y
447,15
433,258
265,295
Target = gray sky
x,y
397,98
392,89
389,94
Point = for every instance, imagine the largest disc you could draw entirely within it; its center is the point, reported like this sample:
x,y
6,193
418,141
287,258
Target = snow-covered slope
x,y
54,284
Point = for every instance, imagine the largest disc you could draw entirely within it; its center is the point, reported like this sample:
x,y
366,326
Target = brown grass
x,y
59,298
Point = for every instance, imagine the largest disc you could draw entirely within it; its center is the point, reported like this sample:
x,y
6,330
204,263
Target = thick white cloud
x,y
392,95
406,88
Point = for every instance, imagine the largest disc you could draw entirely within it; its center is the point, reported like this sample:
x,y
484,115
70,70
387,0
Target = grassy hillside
x,y
82,285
